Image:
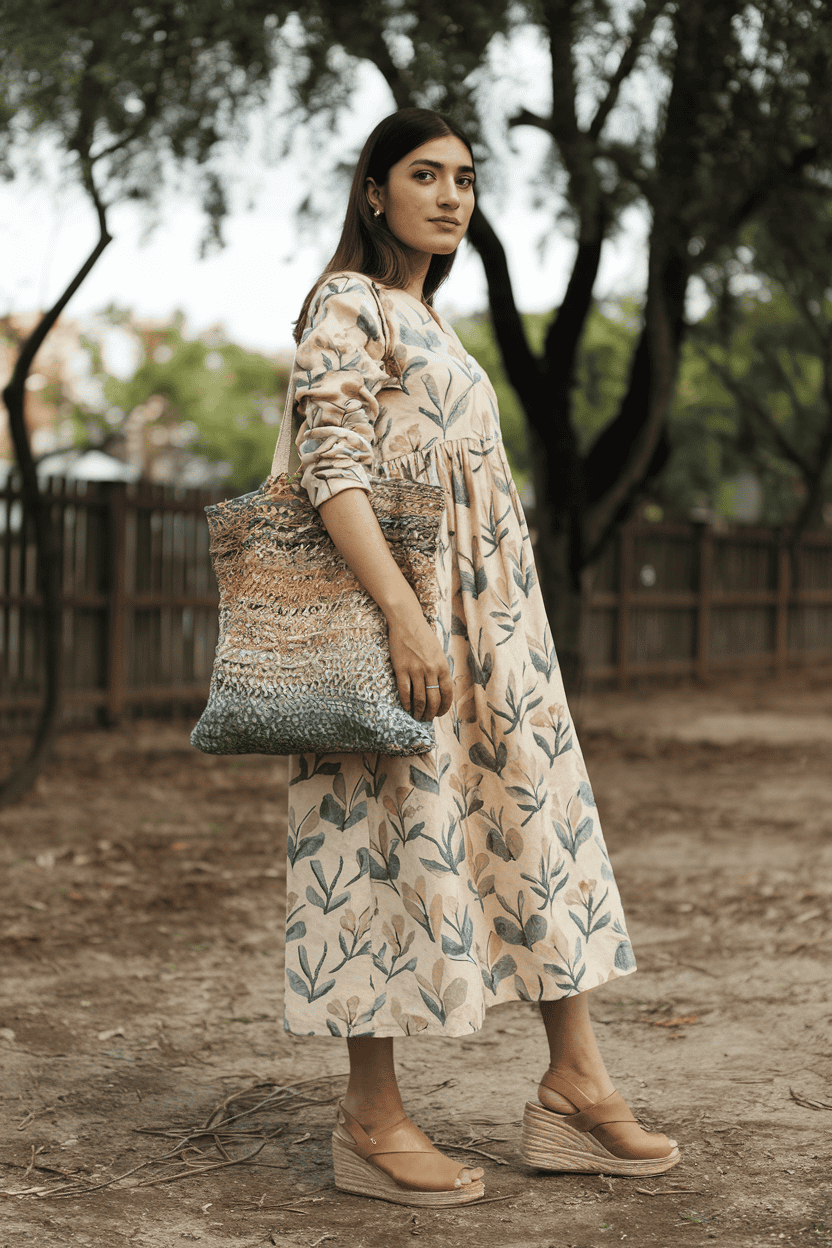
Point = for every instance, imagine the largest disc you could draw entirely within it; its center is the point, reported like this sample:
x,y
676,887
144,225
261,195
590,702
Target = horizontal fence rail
x,y
140,602
689,599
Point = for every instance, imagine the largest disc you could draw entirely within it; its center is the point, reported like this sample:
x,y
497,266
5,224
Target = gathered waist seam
x,y
449,442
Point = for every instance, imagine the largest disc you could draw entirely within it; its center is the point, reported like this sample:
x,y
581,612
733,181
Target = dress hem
x,y
450,1031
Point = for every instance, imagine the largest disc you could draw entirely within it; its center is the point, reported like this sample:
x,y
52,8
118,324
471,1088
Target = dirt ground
x,y
141,937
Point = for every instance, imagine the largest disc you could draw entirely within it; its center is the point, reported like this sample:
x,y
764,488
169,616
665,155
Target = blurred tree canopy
x,y
751,396
129,94
214,399
768,342
702,112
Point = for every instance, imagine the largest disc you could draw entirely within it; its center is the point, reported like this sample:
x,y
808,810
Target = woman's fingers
x,y
425,699
423,678
403,687
436,698
419,698
446,691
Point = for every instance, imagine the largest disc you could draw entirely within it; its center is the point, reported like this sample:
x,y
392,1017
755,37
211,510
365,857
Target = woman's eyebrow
x,y
437,164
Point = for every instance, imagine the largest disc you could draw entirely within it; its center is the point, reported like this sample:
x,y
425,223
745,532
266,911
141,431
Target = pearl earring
x,y
377,212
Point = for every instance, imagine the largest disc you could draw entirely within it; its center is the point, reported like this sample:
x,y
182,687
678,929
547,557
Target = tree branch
x,y
750,404
820,460
567,326
641,29
39,507
519,362
623,453
557,21
527,118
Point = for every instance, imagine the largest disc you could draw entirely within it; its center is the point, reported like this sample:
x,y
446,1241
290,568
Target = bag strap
x,y
285,446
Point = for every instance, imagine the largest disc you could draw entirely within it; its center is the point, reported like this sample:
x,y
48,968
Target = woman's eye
x,y
424,174
466,182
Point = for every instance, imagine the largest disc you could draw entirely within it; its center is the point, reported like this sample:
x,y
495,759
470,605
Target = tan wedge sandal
x,y
584,1143
359,1163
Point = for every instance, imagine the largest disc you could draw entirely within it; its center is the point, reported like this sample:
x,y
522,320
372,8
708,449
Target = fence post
x,y
703,619
625,589
781,636
116,657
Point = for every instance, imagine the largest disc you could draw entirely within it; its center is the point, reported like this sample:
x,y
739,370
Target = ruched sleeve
x,y
338,373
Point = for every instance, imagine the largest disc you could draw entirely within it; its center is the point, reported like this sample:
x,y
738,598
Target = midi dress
x,y
423,889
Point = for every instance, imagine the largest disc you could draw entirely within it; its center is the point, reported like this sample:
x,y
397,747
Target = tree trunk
x,y
39,508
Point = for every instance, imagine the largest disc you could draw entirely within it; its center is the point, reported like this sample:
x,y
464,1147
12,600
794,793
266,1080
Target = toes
x,y
466,1176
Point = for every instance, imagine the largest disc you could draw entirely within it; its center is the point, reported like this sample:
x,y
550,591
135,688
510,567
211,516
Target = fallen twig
x,y
295,1200
669,1191
35,1152
219,1130
807,1103
469,1148
216,1165
490,1200
33,1114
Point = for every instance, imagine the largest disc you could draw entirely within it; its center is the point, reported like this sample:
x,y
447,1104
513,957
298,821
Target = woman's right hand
x,y
422,673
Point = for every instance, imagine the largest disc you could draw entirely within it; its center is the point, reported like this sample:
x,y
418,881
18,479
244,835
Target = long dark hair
x,y
367,244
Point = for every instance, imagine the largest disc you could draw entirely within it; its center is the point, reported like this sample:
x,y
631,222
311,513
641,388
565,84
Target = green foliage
x,y
603,365
224,399
712,439
129,91
428,52
748,394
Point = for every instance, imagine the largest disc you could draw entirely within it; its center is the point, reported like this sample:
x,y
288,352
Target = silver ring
x,y
431,686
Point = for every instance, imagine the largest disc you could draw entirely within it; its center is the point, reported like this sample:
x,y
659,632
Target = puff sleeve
x,y
338,373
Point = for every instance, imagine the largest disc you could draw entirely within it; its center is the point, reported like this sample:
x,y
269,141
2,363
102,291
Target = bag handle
x,y
285,446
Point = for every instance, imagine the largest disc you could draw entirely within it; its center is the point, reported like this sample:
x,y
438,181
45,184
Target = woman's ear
x,y
375,196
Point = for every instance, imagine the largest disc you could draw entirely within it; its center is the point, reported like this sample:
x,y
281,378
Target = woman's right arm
x,y
415,651
340,371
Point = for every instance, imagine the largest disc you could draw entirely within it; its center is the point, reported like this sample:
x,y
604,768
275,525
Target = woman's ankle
x,y
373,1106
589,1078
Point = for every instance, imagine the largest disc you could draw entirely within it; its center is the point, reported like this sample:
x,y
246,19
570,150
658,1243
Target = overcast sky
x,y
255,286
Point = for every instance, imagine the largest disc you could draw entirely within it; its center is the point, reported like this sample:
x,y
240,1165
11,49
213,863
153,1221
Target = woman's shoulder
x,y
349,301
346,281
347,295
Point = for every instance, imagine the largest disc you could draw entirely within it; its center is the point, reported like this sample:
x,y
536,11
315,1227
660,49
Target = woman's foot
x,y
386,1137
593,1099
581,1123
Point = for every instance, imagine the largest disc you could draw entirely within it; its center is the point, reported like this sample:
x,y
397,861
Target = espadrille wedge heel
x,y
600,1138
358,1160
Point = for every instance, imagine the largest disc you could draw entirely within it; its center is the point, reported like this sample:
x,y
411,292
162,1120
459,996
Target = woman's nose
x,y
449,195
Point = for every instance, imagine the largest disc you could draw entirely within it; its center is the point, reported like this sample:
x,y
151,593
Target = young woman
x,y
423,890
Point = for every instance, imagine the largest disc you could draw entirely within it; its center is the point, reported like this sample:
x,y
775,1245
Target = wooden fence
x,y
688,599
140,602
139,598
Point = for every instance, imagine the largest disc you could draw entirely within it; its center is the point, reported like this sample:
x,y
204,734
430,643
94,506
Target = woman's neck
x,y
418,273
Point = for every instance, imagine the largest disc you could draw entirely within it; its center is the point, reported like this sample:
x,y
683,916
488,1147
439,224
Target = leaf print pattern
x,y
423,890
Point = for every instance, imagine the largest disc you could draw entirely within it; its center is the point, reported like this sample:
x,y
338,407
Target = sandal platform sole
x,y
548,1143
361,1178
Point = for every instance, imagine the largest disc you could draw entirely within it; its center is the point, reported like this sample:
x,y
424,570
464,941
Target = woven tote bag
x,y
302,662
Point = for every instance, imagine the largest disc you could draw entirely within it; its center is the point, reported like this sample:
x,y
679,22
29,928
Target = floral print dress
x,y
424,889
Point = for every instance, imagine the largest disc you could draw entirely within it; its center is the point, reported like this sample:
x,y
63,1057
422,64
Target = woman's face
x,y
429,196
